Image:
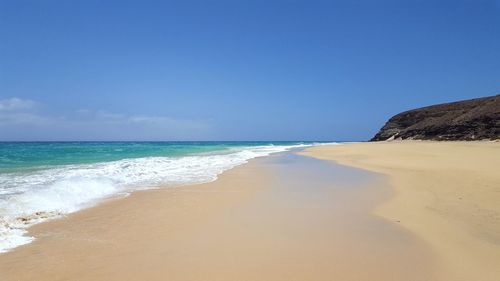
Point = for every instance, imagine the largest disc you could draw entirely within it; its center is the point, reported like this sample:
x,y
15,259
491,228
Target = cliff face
x,y
474,119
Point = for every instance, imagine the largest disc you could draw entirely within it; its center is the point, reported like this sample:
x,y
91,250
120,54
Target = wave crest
x,y
30,198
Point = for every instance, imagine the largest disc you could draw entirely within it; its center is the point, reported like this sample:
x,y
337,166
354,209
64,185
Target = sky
x,y
236,70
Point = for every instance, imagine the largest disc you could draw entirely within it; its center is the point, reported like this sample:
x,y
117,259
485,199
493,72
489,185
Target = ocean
x,y
46,180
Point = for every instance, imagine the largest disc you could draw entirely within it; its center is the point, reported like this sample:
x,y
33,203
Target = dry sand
x,y
447,193
284,217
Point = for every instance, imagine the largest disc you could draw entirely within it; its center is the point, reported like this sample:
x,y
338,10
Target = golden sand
x,y
447,193
276,218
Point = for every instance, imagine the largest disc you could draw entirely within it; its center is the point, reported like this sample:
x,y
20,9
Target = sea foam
x,y
34,197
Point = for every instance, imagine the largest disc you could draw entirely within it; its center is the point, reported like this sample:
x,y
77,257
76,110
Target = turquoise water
x,y
44,180
25,156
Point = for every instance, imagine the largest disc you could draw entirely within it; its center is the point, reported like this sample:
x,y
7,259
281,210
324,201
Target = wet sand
x,y
446,193
283,217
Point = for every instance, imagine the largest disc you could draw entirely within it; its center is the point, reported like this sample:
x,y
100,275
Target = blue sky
x,y
236,70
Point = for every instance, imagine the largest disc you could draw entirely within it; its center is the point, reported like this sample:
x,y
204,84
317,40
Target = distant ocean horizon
x,y
43,179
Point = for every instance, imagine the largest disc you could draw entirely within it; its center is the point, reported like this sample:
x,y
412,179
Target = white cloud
x,y
21,119
20,111
163,121
110,116
152,120
16,118
16,104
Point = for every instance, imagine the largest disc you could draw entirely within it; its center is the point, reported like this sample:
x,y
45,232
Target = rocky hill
x,y
474,119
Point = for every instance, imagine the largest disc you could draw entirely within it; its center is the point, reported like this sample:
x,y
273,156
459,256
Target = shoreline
x,y
446,193
280,217
61,190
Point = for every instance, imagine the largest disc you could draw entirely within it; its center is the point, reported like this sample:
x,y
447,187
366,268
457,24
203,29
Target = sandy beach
x,y
250,140
407,211
446,193
283,217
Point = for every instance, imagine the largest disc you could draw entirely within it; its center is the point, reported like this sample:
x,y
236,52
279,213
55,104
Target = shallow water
x,y
44,180
318,217
282,217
